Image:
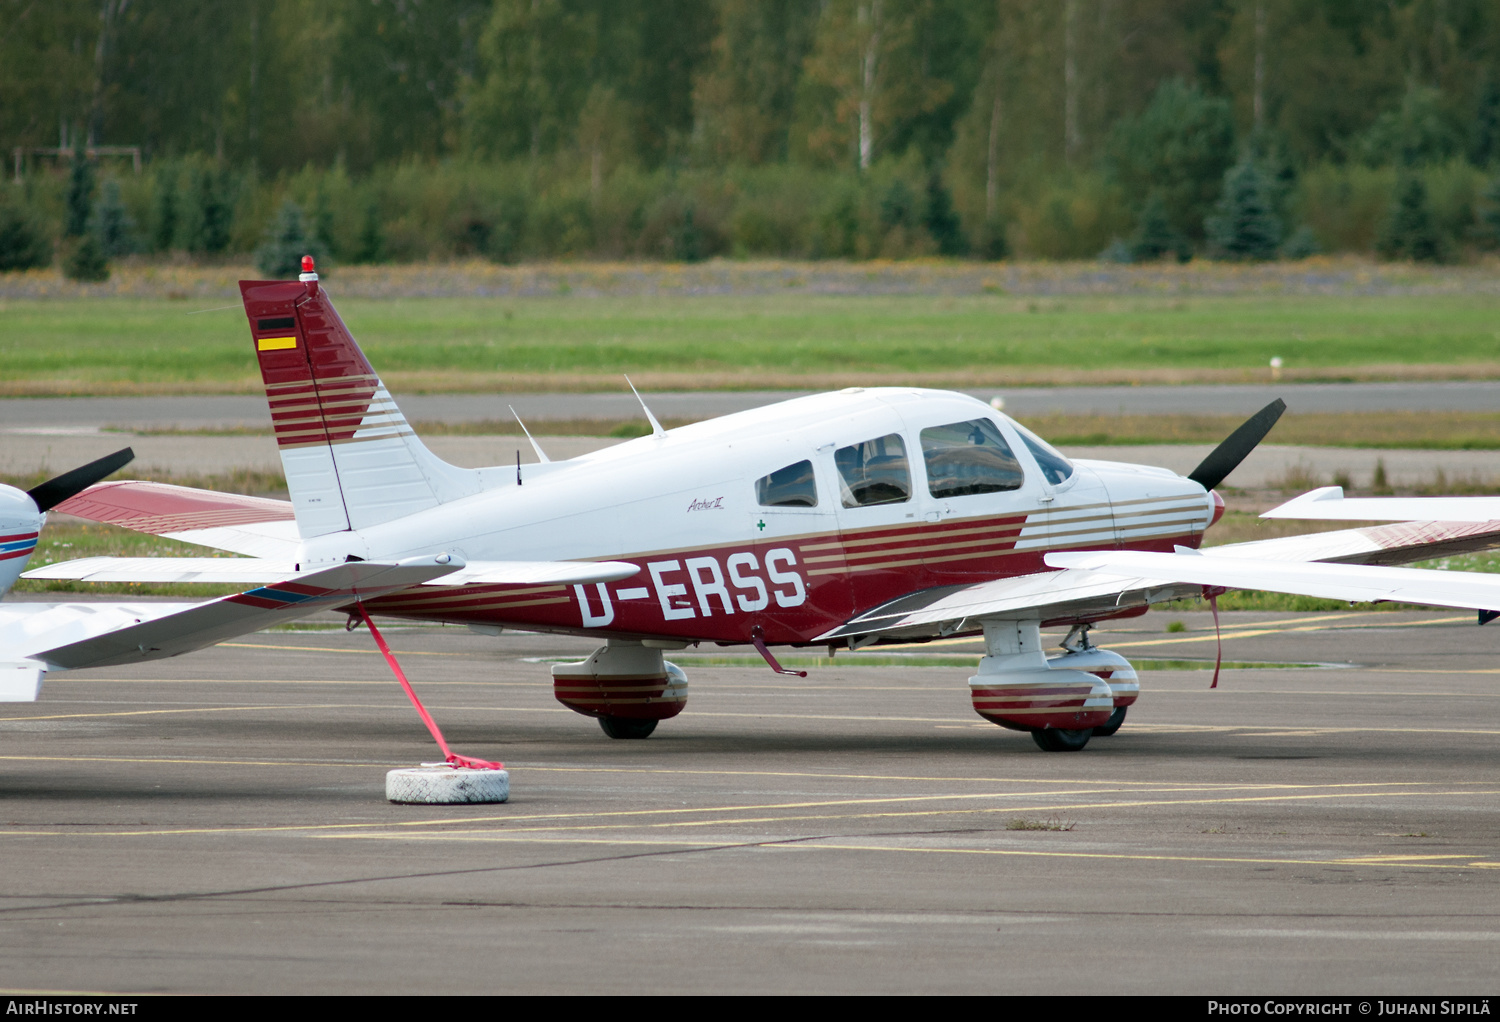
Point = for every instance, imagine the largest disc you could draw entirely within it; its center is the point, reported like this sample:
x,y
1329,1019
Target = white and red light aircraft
x,y
844,519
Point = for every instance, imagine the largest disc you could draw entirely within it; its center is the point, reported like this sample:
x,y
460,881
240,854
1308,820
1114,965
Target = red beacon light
x,y
309,276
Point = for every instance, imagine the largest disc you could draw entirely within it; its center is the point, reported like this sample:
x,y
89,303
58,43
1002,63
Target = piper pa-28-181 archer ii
x,y
844,519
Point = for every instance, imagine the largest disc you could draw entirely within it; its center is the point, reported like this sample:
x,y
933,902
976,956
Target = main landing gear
x,y
1061,701
625,685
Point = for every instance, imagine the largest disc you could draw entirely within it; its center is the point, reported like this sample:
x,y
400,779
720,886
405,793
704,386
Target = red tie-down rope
x,y
453,758
1212,594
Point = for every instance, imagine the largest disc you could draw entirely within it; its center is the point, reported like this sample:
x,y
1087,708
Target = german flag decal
x,y
275,343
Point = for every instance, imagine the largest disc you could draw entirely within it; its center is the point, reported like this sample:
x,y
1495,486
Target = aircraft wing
x,y
1094,585
254,526
1328,503
1357,583
203,624
1050,595
244,570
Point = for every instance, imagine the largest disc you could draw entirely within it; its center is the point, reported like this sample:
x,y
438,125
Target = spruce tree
x,y
287,241
1484,131
87,263
1245,225
164,213
1410,231
687,240
214,212
80,197
994,245
1154,236
1489,215
941,221
116,228
371,236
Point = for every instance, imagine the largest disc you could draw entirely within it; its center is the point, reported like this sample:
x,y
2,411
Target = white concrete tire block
x,y
446,786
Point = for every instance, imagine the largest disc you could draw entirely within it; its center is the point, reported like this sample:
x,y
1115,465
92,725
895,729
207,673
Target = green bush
x,y
87,262
23,240
287,240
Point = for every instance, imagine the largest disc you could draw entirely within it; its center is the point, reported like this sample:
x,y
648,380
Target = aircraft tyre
x,y
1054,739
1111,725
626,727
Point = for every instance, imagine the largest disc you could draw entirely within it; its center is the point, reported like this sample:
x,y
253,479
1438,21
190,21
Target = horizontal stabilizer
x,y
1330,504
254,526
247,570
217,620
1356,583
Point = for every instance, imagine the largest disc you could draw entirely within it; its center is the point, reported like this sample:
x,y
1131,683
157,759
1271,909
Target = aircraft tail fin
x,y
350,457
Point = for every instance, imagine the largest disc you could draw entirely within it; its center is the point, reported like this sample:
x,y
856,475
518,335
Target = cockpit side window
x,y
793,486
874,472
969,457
1054,466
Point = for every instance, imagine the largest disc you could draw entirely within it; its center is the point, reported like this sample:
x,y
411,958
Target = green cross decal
x,y
761,525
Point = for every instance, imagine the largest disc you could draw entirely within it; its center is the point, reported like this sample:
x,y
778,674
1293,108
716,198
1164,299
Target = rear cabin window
x,y
969,457
874,472
792,486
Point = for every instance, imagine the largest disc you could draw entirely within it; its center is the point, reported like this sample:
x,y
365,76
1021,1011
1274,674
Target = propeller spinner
x,y
1225,458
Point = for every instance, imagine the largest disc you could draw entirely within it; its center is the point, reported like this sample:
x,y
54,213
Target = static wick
x,y
518,468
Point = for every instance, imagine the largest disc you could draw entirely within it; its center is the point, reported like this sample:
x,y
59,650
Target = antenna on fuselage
x,y
540,454
656,429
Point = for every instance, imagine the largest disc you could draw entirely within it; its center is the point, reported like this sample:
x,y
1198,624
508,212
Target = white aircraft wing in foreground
x,y
238,570
204,624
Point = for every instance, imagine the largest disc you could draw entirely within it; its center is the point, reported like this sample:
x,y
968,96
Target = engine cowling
x,y
1111,667
624,680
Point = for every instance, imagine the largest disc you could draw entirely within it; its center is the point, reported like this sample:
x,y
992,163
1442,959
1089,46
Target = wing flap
x,y
232,570
532,573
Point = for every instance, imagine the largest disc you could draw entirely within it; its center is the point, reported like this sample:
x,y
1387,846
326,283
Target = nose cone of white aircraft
x,y
20,522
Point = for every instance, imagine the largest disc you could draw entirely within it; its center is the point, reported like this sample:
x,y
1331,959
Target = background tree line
x,y
410,129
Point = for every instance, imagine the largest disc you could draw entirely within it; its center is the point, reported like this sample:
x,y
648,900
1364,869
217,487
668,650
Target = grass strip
x,y
798,340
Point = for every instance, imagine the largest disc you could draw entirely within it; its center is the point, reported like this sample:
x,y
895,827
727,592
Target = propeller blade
x,y
54,491
1225,458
